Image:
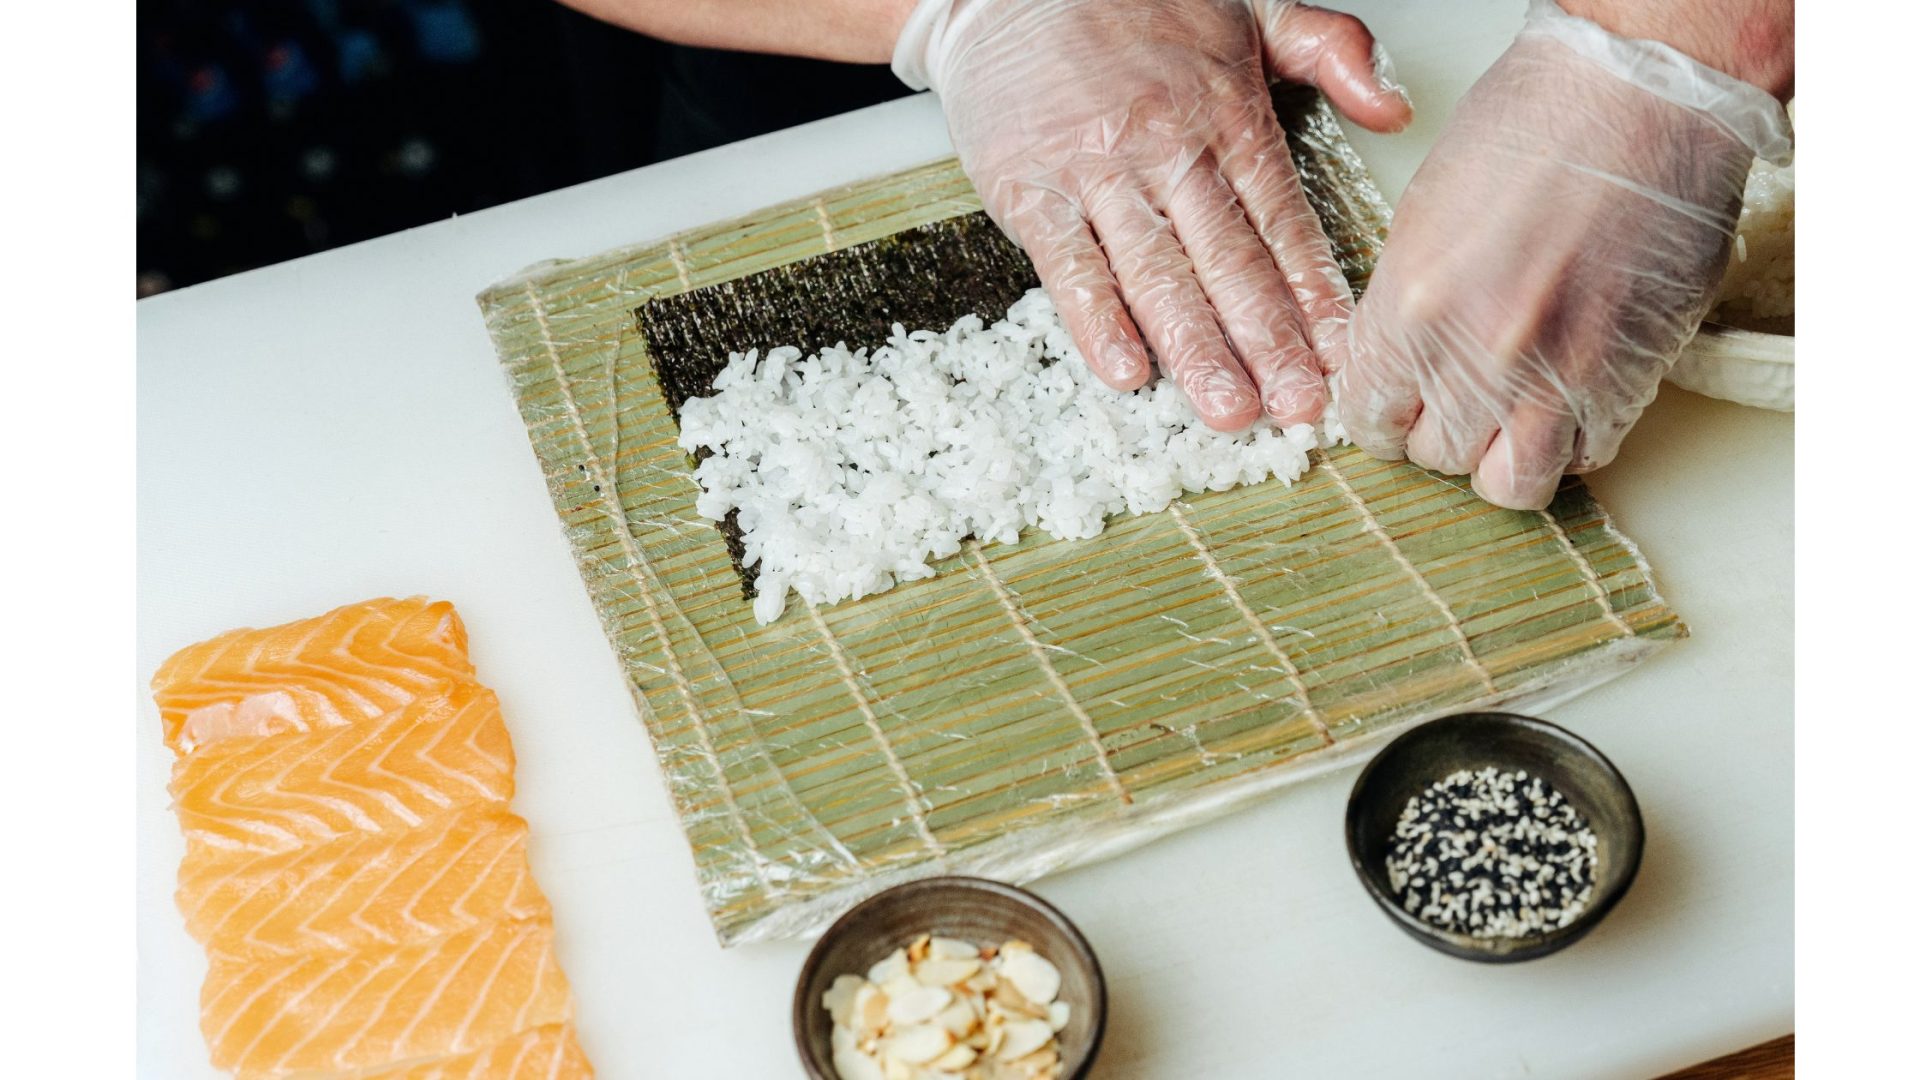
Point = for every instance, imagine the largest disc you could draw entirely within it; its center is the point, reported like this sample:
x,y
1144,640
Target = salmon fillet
x,y
542,1053
458,871
279,793
353,663
353,867
342,1011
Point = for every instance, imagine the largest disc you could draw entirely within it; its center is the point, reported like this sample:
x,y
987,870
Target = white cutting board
x,y
336,427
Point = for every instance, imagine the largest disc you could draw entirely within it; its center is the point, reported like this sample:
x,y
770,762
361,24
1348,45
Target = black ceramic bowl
x,y
1473,741
970,909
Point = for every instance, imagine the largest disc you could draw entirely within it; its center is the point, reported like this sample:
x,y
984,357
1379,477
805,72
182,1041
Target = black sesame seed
x,y
1492,854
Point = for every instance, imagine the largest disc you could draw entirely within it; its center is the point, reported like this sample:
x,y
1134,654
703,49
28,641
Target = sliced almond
x,y
1044,1062
918,1005
838,1000
1007,993
1023,1037
851,1064
946,972
893,967
916,1045
946,948
958,1018
1035,975
869,1010
957,1057
944,1009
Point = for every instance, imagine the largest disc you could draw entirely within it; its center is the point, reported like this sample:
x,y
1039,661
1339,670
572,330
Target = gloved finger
x,y
1523,465
1252,299
1378,411
1255,161
1076,275
1172,311
1600,436
1337,54
1454,429
1379,388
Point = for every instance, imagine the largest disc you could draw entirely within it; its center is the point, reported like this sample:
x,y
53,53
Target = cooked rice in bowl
x,y
1759,281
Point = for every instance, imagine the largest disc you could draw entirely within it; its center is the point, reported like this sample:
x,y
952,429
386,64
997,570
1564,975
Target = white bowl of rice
x,y
1744,351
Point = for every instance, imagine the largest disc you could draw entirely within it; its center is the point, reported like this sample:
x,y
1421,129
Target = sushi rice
x,y
1759,281
854,470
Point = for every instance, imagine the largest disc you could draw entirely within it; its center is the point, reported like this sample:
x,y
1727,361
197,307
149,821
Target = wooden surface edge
x,y
1768,1061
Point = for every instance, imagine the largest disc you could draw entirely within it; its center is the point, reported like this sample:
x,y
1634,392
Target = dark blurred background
x,y
272,130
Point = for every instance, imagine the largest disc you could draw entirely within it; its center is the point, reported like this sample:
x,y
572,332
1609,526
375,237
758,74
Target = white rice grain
x,y
853,471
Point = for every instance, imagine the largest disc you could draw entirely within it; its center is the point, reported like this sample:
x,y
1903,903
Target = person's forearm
x,y
855,31
1751,40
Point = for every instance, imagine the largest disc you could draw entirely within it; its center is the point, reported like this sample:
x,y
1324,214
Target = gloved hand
x,y
1130,147
1551,257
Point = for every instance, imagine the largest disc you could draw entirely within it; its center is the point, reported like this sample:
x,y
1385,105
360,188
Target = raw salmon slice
x,y
456,872
549,1052
340,1012
353,868
276,794
353,663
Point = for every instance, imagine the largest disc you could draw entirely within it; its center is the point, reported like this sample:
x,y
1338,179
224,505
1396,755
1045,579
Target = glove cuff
x,y
1747,112
925,28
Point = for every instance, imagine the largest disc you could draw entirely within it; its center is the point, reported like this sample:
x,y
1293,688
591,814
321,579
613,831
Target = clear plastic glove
x,y
1551,257
1130,147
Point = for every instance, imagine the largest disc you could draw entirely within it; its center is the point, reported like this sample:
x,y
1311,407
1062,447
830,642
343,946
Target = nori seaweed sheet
x,y
922,278
925,278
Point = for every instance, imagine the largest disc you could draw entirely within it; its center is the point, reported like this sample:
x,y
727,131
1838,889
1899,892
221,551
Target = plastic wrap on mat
x,y
1032,705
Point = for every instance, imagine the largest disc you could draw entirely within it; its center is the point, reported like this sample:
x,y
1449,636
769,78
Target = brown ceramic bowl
x,y
970,909
1509,741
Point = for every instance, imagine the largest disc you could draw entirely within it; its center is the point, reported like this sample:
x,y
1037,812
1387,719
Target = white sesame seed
x,y
1492,854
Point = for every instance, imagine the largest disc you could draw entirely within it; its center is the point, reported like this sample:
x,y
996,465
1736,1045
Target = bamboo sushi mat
x,y
1040,704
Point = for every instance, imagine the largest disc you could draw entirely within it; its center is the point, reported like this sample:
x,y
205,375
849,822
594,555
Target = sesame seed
x,y
1492,854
